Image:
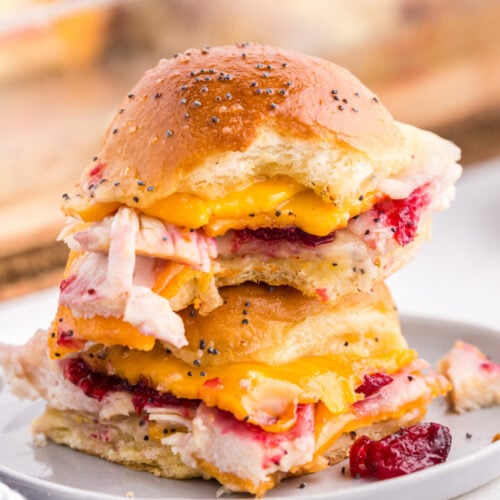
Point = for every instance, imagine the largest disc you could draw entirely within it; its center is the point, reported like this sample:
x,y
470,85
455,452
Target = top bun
x,y
207,122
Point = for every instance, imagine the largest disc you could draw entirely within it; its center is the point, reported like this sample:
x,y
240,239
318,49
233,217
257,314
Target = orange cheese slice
x,y
172,277
276,202
68,333
251,390
88,209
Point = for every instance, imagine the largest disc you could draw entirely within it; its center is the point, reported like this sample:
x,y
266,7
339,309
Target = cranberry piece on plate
x,y
408,450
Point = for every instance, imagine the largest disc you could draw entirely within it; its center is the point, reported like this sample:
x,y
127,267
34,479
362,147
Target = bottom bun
x,y
340,449
118,440
122,440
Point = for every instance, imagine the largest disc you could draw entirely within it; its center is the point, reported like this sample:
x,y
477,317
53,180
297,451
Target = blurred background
x,y
66,64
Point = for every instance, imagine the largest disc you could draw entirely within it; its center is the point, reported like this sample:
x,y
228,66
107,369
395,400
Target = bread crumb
x,y
40,440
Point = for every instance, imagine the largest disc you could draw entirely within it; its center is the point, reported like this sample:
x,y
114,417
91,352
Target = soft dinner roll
x,y
257,323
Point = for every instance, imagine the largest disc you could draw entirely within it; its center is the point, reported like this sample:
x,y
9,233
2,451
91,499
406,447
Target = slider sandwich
x,y
271,384
222,312
246,163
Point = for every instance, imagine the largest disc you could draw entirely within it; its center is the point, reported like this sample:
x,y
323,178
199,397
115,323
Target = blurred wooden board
x,y
49,130
451,93
28,223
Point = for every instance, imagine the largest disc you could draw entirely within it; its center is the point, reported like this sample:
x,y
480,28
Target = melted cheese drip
x,y
278,202
173,276
248,390
108,331
305,210
88,209
238,482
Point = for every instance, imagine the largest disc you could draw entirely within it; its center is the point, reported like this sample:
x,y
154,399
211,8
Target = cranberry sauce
x,y
291,234
403,215
97,385
408,450
373,382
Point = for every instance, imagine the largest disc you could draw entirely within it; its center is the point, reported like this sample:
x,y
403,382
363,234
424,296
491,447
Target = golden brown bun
x,y
198,123
271,325
125,442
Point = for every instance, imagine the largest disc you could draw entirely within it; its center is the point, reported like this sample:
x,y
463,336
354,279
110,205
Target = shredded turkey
x,y
153,238
152,315
474,378
31,374
408,385
244,450
121,255
106,285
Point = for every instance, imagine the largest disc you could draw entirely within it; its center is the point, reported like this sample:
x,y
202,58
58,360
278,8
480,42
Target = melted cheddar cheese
x,y
266,395
88,209
329,427
277,202
172,277
305,210
70,333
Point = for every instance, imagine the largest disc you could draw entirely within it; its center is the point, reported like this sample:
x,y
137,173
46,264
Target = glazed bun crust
x,y
274,325
193,117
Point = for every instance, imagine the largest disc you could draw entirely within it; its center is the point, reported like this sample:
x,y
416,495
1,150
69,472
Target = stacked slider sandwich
x,y
223,312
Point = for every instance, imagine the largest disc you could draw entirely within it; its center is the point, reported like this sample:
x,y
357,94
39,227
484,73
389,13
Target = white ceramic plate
x,y
57,472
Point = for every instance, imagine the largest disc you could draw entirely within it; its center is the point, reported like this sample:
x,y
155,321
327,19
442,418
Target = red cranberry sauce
x,y
403,215
408,450
291,234
373,382
97,385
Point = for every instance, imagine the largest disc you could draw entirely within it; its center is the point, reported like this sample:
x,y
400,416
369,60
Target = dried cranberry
x,y
403,215
292,234
373,382
408,450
